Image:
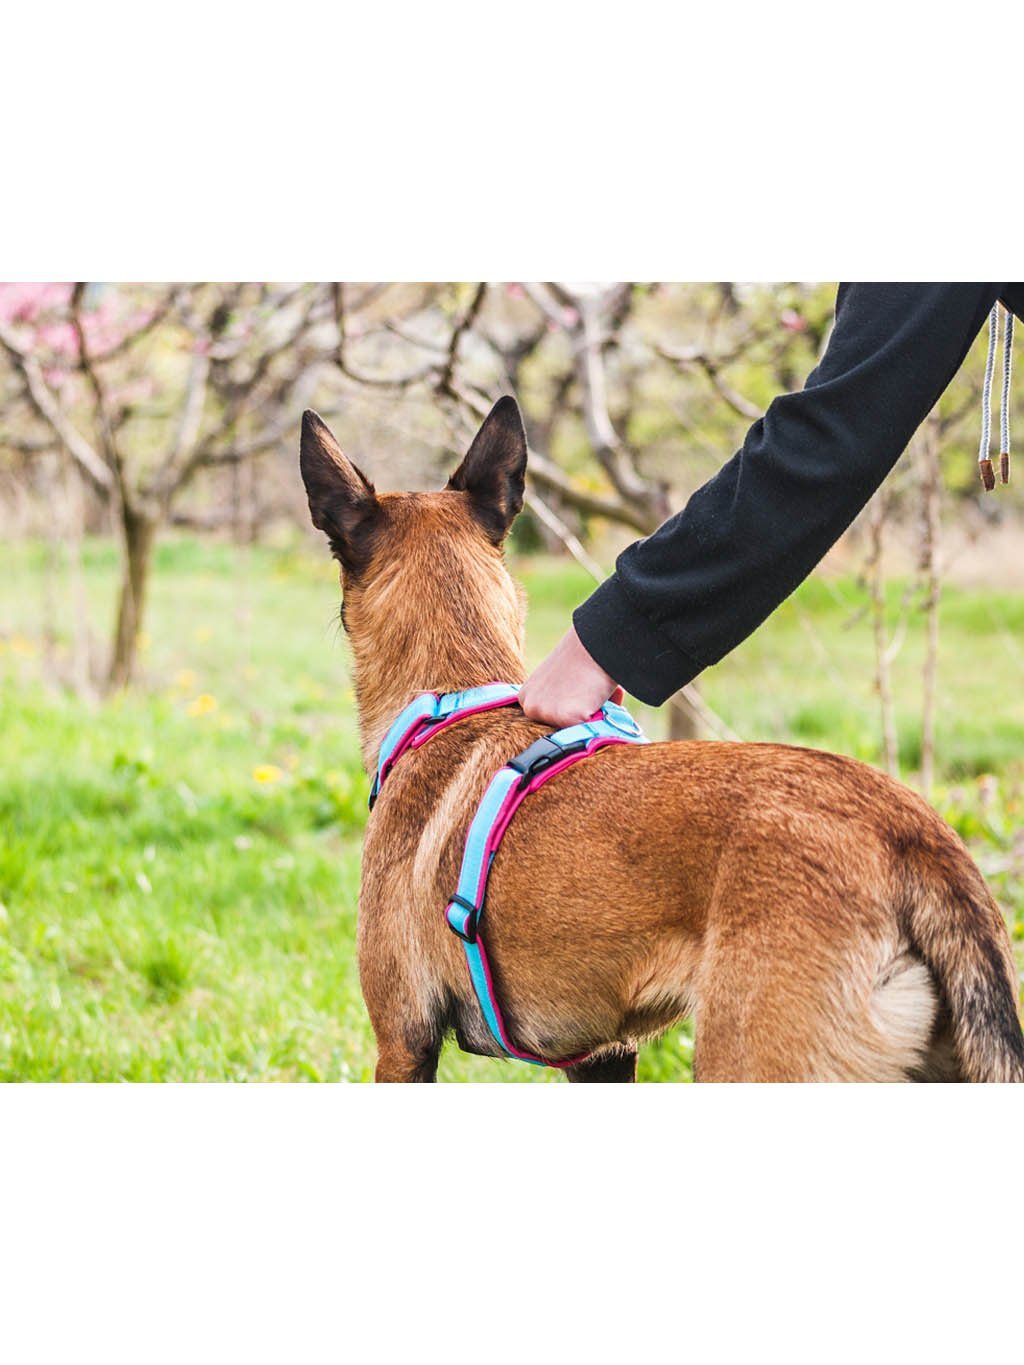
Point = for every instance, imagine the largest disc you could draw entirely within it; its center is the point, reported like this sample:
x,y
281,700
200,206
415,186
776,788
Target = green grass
x,y
179,868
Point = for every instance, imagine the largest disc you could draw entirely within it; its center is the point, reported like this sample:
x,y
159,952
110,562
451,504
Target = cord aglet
x,y
988,477
1004,467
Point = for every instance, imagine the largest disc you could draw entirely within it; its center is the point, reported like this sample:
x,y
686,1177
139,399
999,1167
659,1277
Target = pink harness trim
x,y
508,808
429,714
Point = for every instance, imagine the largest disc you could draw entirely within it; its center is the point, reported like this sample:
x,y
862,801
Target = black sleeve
x,y
682,598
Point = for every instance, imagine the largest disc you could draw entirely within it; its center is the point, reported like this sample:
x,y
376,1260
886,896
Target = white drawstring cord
x,y
1004,410
988,477
984,460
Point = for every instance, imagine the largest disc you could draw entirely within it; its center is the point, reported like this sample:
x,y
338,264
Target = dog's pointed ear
x,y
342,501
494,470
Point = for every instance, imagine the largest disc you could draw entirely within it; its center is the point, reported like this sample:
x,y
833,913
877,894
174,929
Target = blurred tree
x,y
136,407
143,388
612,400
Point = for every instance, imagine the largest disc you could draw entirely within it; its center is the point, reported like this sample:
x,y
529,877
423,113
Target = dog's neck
x,y
439,614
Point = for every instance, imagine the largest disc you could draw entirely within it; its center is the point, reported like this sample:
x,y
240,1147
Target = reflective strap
x,y
476,858
507,789
420,709
428,713
476,699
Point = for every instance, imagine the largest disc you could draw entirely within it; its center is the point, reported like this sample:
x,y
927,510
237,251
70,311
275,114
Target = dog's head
x,y
427,601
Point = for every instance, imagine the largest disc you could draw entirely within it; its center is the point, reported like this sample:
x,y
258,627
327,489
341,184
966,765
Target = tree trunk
x,y
682,719
879,512
139,534
81,675
928,563
46,484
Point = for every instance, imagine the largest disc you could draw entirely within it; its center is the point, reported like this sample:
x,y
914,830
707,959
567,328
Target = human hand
x,y
568,686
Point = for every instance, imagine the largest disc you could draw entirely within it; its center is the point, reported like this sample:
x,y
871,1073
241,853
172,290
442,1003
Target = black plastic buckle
x,y
541,754
468,935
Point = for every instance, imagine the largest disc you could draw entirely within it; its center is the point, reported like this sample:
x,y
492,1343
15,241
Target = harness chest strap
x,y
508,788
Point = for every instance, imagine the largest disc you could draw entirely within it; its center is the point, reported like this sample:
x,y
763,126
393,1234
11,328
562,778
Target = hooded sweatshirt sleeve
x,y
682,598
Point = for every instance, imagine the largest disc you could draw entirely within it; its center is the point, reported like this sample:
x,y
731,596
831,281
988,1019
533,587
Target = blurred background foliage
x,y
182,801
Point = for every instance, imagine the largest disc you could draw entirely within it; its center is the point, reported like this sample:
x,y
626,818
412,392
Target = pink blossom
x,y
60,337
25,302
793,321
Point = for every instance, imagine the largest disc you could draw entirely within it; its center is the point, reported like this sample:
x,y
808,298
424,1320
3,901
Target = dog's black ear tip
x,y
506,417
316,439
507,407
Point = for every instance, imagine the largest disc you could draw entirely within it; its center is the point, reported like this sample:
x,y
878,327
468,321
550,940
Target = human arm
x,y
685,596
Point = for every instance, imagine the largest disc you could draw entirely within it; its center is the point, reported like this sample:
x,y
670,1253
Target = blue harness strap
x,y
426,714
506,791
508,788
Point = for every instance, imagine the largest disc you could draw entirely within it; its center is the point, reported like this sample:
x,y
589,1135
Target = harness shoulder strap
x,y
428,713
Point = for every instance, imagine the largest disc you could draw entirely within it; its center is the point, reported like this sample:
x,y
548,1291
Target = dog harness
x,y
431,712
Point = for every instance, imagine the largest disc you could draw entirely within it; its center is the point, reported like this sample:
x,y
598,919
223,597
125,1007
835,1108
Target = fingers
x,y
568,687
557,713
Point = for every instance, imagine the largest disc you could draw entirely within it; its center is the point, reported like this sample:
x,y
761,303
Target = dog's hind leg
x,y
616,1066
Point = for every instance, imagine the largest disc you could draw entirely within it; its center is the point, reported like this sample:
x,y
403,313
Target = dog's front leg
x,y
409,1031
400,1064
407,1048
609,1067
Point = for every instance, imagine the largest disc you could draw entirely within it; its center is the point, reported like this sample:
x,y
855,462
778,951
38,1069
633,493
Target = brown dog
x,y
819,920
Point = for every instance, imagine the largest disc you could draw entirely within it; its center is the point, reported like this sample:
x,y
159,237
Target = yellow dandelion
x,y
21,644
202,634
184,680
266,772
203,705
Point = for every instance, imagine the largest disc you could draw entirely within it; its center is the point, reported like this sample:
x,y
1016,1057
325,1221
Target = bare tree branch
x,y
466,321
585,318
46,406
104,419
544,471
693,358
400,381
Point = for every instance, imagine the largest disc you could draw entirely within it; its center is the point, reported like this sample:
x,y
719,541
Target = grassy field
x,y
179,868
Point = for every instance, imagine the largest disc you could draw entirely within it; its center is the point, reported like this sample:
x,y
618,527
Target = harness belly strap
x,y
429,713
505,793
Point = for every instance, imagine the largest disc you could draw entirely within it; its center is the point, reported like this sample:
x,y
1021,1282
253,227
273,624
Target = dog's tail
x,y
957,928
